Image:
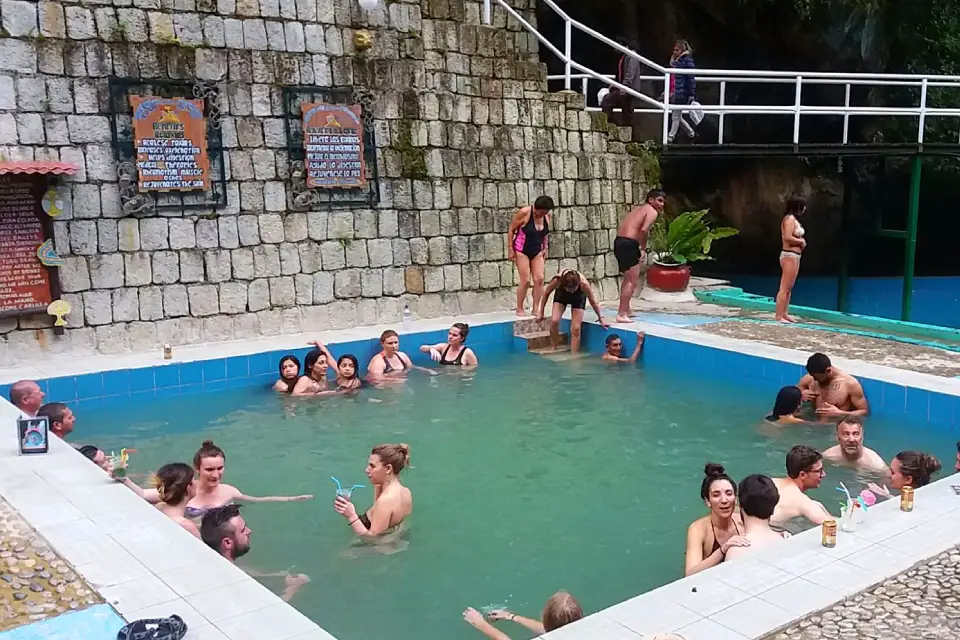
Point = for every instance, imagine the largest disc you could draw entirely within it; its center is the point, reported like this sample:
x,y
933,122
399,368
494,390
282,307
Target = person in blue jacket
x,y
683,88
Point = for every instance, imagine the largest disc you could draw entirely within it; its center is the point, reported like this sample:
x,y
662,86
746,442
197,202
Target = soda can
x,y
906,499
828,536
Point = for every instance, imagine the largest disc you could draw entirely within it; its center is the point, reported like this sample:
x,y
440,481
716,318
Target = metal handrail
x,y
724,76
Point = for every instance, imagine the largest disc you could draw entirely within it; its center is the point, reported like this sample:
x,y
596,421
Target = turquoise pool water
x,y
530,476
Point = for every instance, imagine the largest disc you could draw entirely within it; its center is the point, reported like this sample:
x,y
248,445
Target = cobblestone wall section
x,y
466,132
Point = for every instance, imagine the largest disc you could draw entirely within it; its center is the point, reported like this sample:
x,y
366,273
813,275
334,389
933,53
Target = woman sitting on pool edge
x,y
710,537
392,502
289,374
453,351
785,407
209,462
572,290
391,362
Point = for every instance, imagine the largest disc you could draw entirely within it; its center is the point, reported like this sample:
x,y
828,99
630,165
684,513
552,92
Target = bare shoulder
x,y
806,381
874,459
697,528
833,452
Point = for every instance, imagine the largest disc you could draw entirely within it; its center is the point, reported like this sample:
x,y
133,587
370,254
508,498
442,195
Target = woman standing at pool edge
x,y
453,351
527,247
392,502
710,537
209,462
792,245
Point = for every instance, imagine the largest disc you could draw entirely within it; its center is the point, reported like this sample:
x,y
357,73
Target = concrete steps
x,y
537,335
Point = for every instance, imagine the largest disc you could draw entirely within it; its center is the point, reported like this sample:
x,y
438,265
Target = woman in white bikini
x,y
792,245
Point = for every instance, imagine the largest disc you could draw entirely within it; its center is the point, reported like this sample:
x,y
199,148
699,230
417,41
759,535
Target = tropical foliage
x,y
686,238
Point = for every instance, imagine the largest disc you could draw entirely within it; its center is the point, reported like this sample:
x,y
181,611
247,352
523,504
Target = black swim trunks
x,y
627,253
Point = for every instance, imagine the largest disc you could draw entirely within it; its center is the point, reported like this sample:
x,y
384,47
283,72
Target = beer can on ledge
x,y
906,499
828,536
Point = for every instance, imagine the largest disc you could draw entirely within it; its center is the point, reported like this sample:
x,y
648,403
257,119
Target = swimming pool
x,y
532,475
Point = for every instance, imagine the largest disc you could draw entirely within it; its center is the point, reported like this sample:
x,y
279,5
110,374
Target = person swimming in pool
x,y
908,469
209,462
785,407
453,351
348,374
392,502
712,536
176,486
561,609
289,374
315,365
614,352
572,290
391,363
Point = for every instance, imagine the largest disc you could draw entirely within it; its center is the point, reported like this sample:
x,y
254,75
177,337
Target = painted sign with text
x,y
333,143
25,284
170,135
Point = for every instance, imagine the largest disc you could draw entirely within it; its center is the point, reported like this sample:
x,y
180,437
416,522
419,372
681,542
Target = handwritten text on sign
x,y
333,141
171,139
24,281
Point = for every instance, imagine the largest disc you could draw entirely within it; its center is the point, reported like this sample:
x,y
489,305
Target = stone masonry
x,y
465,129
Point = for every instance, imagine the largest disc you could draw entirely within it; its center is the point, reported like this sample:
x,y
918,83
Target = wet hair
x,y
611,339
570,279
352,358
561,609
207,450
800,458
172,482
311,359
788,400
543,203
853,420
463,328
215,525
20,390
711,473
795,205
290,383
389,333
758,496
89,451
55,411
395,455
919,466
654,194
818,363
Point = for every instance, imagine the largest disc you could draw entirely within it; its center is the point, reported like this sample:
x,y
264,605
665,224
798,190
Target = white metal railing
x,y
724,77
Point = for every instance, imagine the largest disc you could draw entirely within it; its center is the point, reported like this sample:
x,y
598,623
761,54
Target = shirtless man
x,y
835,394
758,500
614,352
849,449
630,245
804,472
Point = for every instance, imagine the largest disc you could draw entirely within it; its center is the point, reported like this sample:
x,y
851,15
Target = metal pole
x,y
913,211
796,115
846,117
723,101
923,111
843,281
568,28
666,107
487,12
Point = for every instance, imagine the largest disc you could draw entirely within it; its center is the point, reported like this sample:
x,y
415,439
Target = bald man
x,y
26,396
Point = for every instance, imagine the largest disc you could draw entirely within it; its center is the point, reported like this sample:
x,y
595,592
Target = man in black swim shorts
x,y
630,245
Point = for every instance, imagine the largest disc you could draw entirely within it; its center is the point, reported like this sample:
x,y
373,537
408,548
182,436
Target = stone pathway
x,y
35,583
922,603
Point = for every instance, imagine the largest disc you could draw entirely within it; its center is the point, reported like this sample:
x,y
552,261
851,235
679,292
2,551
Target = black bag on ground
x,y
172,628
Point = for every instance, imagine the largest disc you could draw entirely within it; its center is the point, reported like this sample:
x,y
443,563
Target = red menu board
x,y
333,143
25,284
171,142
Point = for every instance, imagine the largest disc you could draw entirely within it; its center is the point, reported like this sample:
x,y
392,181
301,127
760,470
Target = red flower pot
x,y
668,278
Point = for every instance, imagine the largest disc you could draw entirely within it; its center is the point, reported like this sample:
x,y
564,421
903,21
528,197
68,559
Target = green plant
x,y
686,238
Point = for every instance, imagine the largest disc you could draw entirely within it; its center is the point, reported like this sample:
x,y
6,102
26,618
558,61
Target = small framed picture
x,y
34,435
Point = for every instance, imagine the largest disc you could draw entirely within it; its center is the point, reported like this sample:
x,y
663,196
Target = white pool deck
x,y
146,566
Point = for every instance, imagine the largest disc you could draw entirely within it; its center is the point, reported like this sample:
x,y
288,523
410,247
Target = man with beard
x,y
849,449
224,530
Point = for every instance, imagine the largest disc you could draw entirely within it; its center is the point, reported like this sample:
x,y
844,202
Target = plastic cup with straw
x,y
345,493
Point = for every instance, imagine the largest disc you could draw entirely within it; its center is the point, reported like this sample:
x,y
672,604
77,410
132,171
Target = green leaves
x,y
686,238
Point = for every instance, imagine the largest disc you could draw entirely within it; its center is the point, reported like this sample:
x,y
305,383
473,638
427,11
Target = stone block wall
x,y
465,131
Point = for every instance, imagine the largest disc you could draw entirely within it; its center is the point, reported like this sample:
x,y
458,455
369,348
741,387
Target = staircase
x,y
537,335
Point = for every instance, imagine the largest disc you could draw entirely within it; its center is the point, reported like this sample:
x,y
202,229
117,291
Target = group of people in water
x,y
759,510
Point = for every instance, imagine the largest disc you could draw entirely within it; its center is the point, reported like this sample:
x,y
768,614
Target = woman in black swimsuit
x,y
572,290
453,351
527,246
709,538
390,362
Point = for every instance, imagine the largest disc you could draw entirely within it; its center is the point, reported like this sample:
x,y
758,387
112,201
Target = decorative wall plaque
x,y
25,283
333,142
170,136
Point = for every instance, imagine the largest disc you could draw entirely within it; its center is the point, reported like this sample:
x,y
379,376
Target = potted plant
x,y
678,242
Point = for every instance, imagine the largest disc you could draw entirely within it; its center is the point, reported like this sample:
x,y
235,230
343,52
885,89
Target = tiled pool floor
x,y
35,583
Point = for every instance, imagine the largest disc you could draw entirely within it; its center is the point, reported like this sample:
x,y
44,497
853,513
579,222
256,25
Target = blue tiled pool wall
x,y
180,378
887,400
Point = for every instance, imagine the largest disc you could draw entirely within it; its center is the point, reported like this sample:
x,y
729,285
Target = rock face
x,y
465,134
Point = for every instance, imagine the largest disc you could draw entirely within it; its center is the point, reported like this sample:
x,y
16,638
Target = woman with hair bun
x,y
710,537
392,502
175,487
453,351
908,469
